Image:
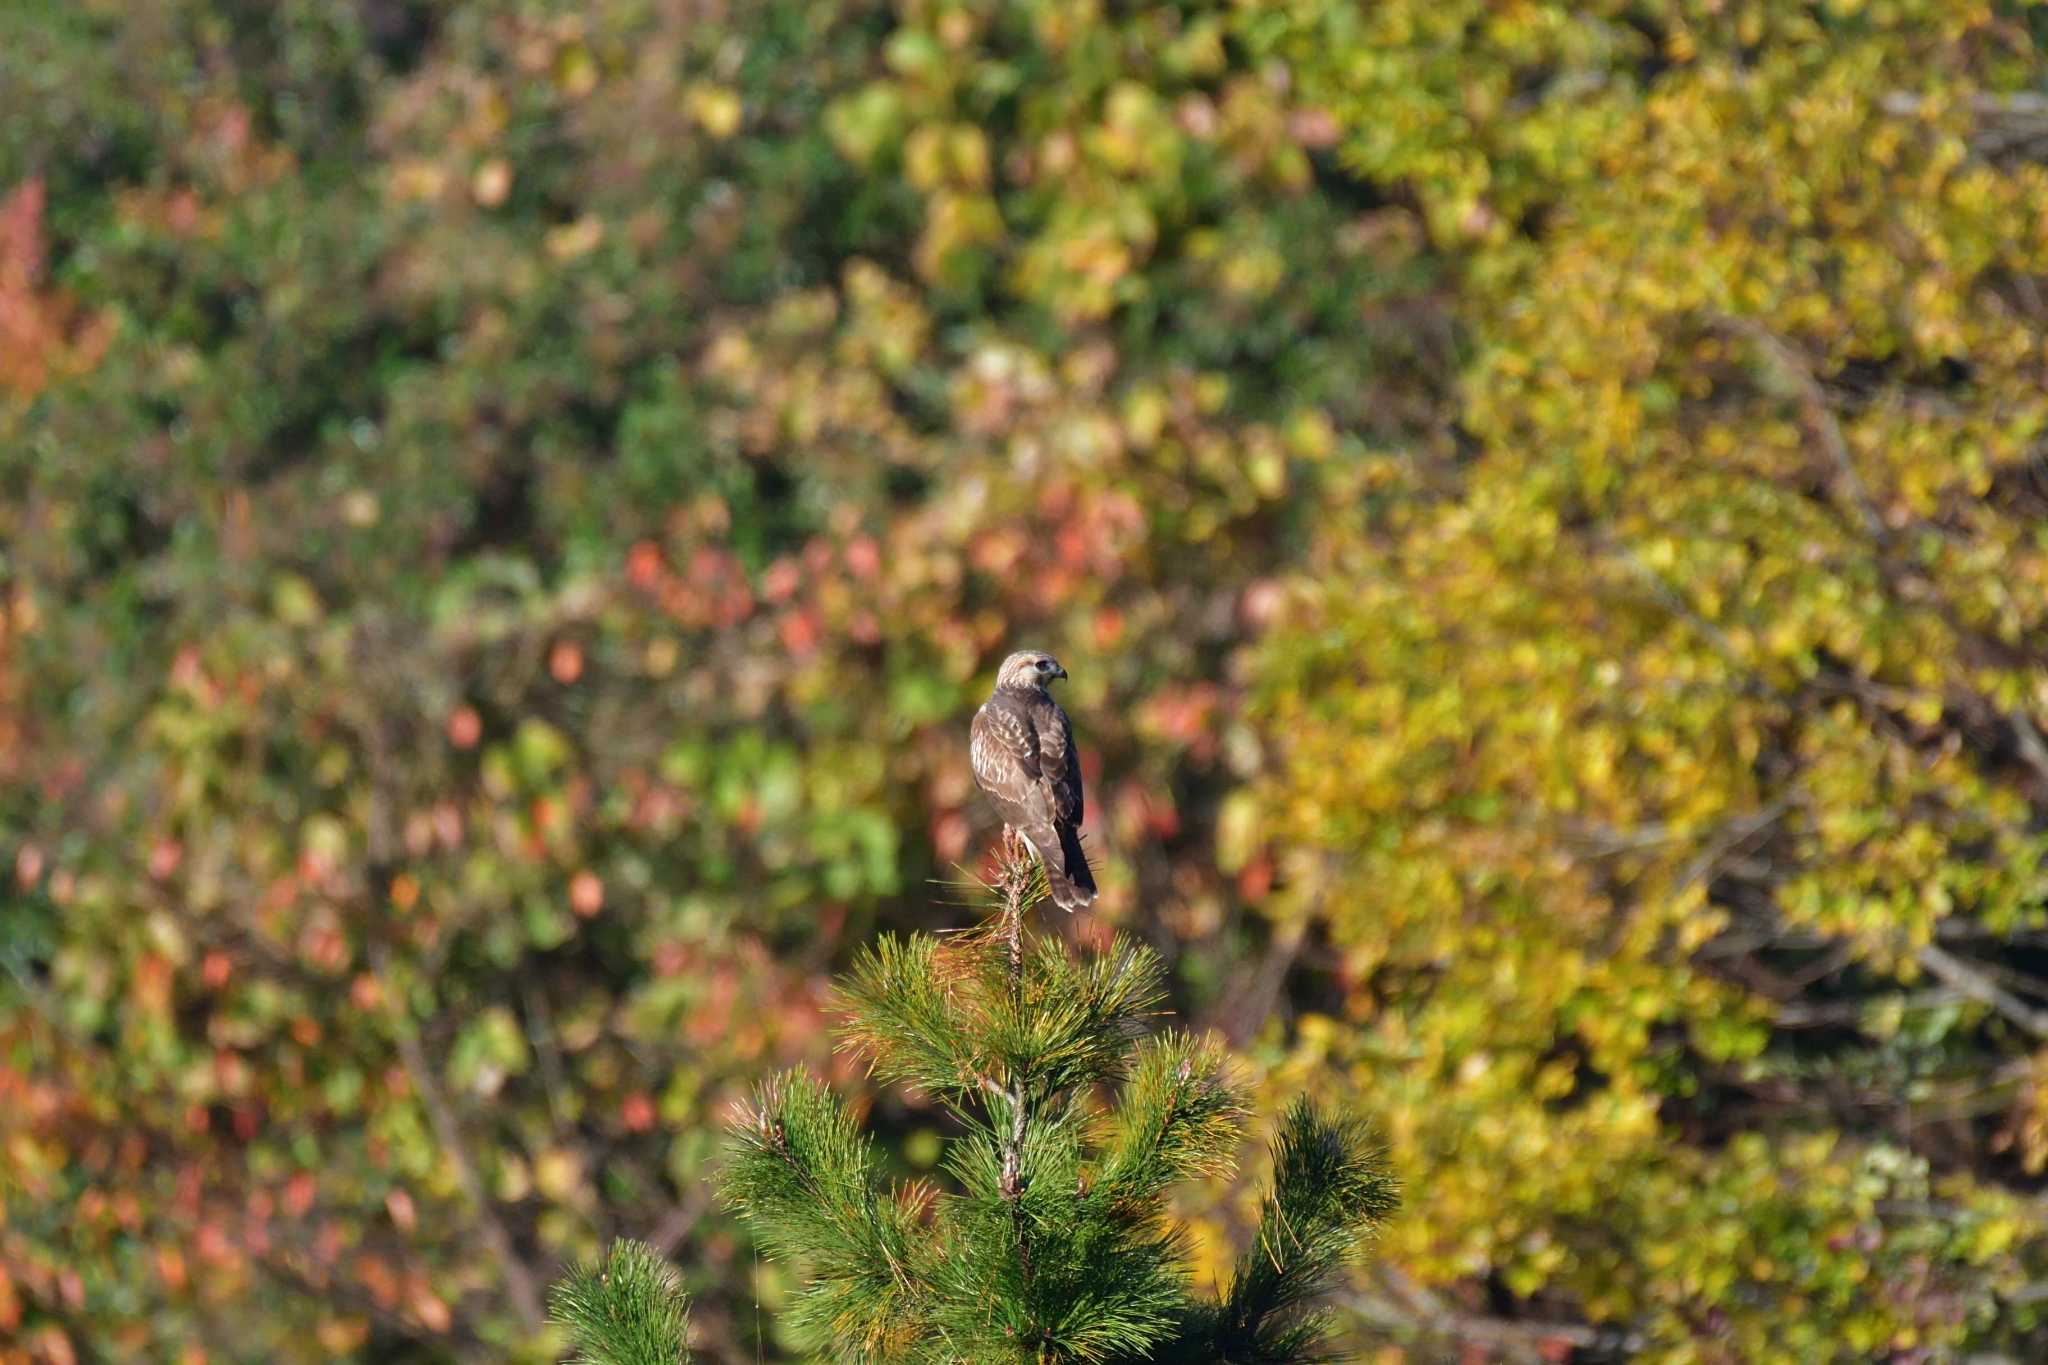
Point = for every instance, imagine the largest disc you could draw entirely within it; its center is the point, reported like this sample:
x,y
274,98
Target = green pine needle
x,y
1180,1119
902,1012
802,1177
1330,1190
627,1309
946,1018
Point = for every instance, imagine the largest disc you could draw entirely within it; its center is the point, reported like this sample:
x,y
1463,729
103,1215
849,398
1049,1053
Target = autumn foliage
x,y
506,508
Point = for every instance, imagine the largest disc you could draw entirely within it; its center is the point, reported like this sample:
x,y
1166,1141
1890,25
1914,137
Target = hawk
x,y
1022,748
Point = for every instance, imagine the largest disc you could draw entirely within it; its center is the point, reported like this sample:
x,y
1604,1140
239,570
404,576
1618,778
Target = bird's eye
x,y
1045,665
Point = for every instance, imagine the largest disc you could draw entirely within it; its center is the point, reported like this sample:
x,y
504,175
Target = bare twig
x,y
1409,1307
2015,123
2019,103
519,1284
1731,836
1819,417
1673,601
1260,995
1958,930
1979,986
1015,881
668,1233
1853,1013
1016,884
540,1031
336,1292
2027,740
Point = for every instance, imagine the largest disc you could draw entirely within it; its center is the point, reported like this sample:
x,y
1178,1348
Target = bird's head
x,y
1029,669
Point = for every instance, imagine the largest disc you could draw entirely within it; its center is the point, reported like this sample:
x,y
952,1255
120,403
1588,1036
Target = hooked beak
x,y
1058,672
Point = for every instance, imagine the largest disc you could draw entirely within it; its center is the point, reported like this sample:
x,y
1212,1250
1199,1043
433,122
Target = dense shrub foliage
x,y
506,508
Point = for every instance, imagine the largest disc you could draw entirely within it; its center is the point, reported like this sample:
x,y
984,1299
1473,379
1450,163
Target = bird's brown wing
x,y
1058,763
1067,874
1003,747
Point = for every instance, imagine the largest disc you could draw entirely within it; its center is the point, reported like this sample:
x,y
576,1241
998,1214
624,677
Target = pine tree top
x,y
1046,1237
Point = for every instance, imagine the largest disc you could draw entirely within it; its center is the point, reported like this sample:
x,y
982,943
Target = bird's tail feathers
x,y
1067,875
1072,883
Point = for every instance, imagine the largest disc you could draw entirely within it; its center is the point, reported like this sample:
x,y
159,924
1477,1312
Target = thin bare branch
x,y
1979,986
1819,416
519,1279
2019,103
1408,1307
2033,752
1730,837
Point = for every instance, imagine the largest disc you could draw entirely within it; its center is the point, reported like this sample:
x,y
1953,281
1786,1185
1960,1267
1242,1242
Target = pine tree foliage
x,y
1307,1228
1046,1237
628,1309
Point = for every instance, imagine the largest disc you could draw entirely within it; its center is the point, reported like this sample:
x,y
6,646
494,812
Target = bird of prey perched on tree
x,y
1022,748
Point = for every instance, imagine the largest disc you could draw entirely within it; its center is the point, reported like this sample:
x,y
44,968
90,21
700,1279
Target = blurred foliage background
x,y
506,509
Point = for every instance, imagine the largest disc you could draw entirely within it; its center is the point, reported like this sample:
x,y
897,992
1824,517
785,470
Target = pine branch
x,y
903,1013
802,1177
1179,1119
628,1309
949,1018
1077,1023
1329,1192
1036,1269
